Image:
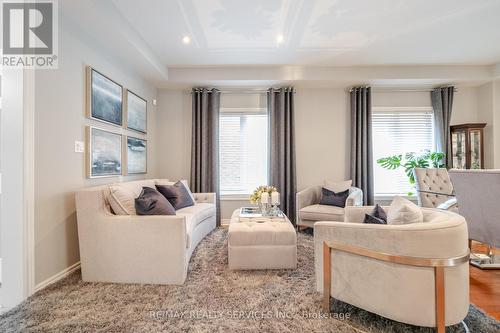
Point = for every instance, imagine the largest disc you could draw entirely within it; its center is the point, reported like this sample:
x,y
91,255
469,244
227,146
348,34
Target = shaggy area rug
x,y
213,299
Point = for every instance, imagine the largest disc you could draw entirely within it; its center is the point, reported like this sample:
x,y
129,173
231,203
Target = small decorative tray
x,y
253,212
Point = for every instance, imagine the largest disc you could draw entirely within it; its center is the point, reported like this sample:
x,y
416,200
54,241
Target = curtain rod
x,y
402,90
240,92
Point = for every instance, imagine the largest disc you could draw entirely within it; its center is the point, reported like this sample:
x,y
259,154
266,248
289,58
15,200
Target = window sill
x,y
390,197
235,197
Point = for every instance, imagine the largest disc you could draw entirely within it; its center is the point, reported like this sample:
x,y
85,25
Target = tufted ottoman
x,y
267,245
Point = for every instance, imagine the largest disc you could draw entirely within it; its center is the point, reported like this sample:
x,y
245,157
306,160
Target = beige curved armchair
x,y
309,211
416,273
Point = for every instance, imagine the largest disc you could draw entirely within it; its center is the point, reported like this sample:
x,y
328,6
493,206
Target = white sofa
x,y
400,292
139,249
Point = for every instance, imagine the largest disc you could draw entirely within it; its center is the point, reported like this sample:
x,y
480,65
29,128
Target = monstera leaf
x,y
411,161
391,162
437,159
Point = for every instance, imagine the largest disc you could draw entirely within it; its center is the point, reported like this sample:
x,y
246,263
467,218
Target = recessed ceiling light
x,y
186,39
280,38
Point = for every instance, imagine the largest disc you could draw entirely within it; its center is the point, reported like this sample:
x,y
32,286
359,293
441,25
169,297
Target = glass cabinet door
x,y
458,142
475,149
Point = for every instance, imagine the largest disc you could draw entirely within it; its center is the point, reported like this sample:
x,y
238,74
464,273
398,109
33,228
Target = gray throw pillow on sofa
x,y
152,202
376,216
177,194
333,199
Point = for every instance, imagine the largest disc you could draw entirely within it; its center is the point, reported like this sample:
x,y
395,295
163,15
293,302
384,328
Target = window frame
x,y
429,109
242,111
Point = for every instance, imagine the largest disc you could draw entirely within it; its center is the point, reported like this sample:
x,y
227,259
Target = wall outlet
x,y
79,147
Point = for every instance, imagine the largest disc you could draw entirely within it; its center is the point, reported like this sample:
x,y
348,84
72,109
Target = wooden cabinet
x,y
467,146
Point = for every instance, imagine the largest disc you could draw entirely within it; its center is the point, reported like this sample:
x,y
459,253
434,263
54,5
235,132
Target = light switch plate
x,y
79,147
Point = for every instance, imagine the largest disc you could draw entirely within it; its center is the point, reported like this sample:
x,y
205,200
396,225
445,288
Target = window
x,y
398,131
243,150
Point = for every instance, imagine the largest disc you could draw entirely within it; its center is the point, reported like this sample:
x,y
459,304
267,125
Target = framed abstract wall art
x,y
136,112
104,153
137,156
104,98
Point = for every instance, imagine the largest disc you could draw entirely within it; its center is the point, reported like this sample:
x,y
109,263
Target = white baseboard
x,y
62,274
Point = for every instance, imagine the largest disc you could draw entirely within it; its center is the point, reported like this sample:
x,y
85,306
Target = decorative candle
x,y
275,198
264,198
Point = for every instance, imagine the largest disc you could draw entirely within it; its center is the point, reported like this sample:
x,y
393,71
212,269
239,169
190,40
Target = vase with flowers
x,y
265,197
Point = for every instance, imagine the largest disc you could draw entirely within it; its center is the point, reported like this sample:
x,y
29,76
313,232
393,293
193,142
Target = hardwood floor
x,y
485,286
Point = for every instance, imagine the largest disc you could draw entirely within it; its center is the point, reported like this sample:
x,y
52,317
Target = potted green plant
x,y
411,160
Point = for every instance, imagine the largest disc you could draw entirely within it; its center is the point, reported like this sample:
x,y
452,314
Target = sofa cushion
x,y
122,195
200,212
177,194
403,211
152,202
322,213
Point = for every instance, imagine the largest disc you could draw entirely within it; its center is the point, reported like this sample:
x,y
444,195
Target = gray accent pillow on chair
x,y
152,202
177,194
333,199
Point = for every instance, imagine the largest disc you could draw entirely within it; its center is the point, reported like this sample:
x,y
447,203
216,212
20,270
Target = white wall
x,y
322,133
59,171
13,190
485,114
465,106
496,123
174,134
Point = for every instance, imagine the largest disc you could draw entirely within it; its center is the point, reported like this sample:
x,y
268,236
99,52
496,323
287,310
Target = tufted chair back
x,y
434,186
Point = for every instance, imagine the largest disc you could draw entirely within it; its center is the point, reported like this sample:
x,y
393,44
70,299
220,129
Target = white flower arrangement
x,y
257,193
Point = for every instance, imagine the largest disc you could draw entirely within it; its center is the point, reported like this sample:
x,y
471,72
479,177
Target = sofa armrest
x,y
309,196
355,197
205,198
129,248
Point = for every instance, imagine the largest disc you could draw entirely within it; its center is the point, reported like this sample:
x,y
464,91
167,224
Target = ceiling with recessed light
x,y
318,32
156,37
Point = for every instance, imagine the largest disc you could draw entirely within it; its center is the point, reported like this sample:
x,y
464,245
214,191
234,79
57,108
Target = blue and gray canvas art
x,y
136,155
106,99
106,153
136,113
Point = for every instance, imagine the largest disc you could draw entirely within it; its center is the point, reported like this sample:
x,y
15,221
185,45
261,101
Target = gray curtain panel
x,y
282,172
442,103
361,142
205,143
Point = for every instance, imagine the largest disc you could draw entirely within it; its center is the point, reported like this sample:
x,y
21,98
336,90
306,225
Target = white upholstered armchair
x,y
309,211
413,273
434,188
